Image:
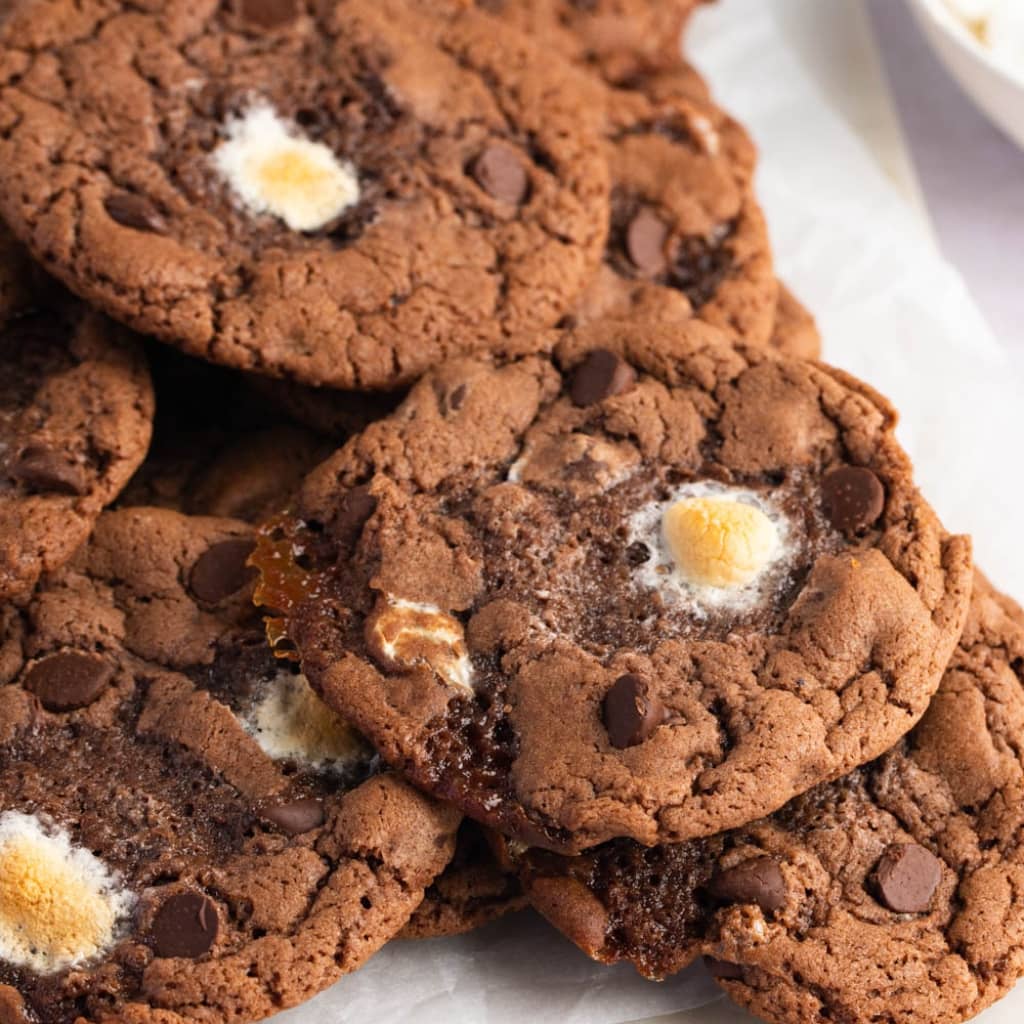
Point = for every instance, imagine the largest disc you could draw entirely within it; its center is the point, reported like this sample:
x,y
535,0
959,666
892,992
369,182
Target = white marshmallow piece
x,y
272,169
59,904
291,723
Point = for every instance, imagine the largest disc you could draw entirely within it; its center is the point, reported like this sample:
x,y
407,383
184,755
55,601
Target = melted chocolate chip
x,y
601,375
68,680
631,712
221,570
757,881
46,471
853,498
294,816
646,235
499,171
267,14
136,212
906,878
186,925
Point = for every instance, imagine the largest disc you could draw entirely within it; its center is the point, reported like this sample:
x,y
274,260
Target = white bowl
x,y
996,88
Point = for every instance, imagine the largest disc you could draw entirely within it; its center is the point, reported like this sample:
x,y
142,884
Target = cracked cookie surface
x,y
237,848
654,588
76,411
342,194
893,894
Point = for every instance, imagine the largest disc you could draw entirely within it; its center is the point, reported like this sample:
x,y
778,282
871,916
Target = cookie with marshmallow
x,y
179,812
651,588
336,194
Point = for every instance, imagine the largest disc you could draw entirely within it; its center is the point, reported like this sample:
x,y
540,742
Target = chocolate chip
x,y
294,816
44,470
637,554
220,570
758,880
68,679
356,508
601,375
722,969
646,235
456,398
267,14
186,925
135,212
499,171
631,712
906,878
853,498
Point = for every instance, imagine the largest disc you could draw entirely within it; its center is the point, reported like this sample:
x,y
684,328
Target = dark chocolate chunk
x,y
136,212
41,469
186,925
631,712
499,171
601,375
68,679
294,816
758,880
267,14
221,570
853,498
906,878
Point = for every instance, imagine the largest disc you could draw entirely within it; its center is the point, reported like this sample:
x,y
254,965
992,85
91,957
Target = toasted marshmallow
x,y
272,169
972,11
718,541
291,723
711,546
403,634
59,904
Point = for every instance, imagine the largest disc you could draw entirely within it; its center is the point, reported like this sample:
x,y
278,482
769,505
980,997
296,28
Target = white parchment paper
x,y
893,313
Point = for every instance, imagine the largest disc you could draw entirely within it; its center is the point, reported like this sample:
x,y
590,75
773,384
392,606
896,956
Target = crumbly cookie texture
x,y
795,332
891,894
341,194
186,833
76,412
617,38
610,694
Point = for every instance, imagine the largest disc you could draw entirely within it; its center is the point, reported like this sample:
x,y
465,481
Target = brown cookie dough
x,y
343,194
18,276
795,331
214,844
653,589
76,411
686,235
893,894
471,892
617,38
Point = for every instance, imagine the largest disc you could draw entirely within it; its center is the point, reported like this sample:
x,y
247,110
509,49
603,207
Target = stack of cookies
x,y
418,500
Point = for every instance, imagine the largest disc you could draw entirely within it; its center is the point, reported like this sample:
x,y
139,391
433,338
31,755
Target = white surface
x,y
994,83
891,312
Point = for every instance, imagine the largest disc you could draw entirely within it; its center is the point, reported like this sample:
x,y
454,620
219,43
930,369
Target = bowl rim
x,y
942,17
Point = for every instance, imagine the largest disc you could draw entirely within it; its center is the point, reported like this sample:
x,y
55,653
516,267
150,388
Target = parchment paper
x,y
893,313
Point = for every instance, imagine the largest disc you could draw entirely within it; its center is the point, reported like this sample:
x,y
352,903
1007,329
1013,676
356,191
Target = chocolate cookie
x,y
617,38
686,236
795,331
214,844
654,589
76,410
893,894
17,274
343,194
471,892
